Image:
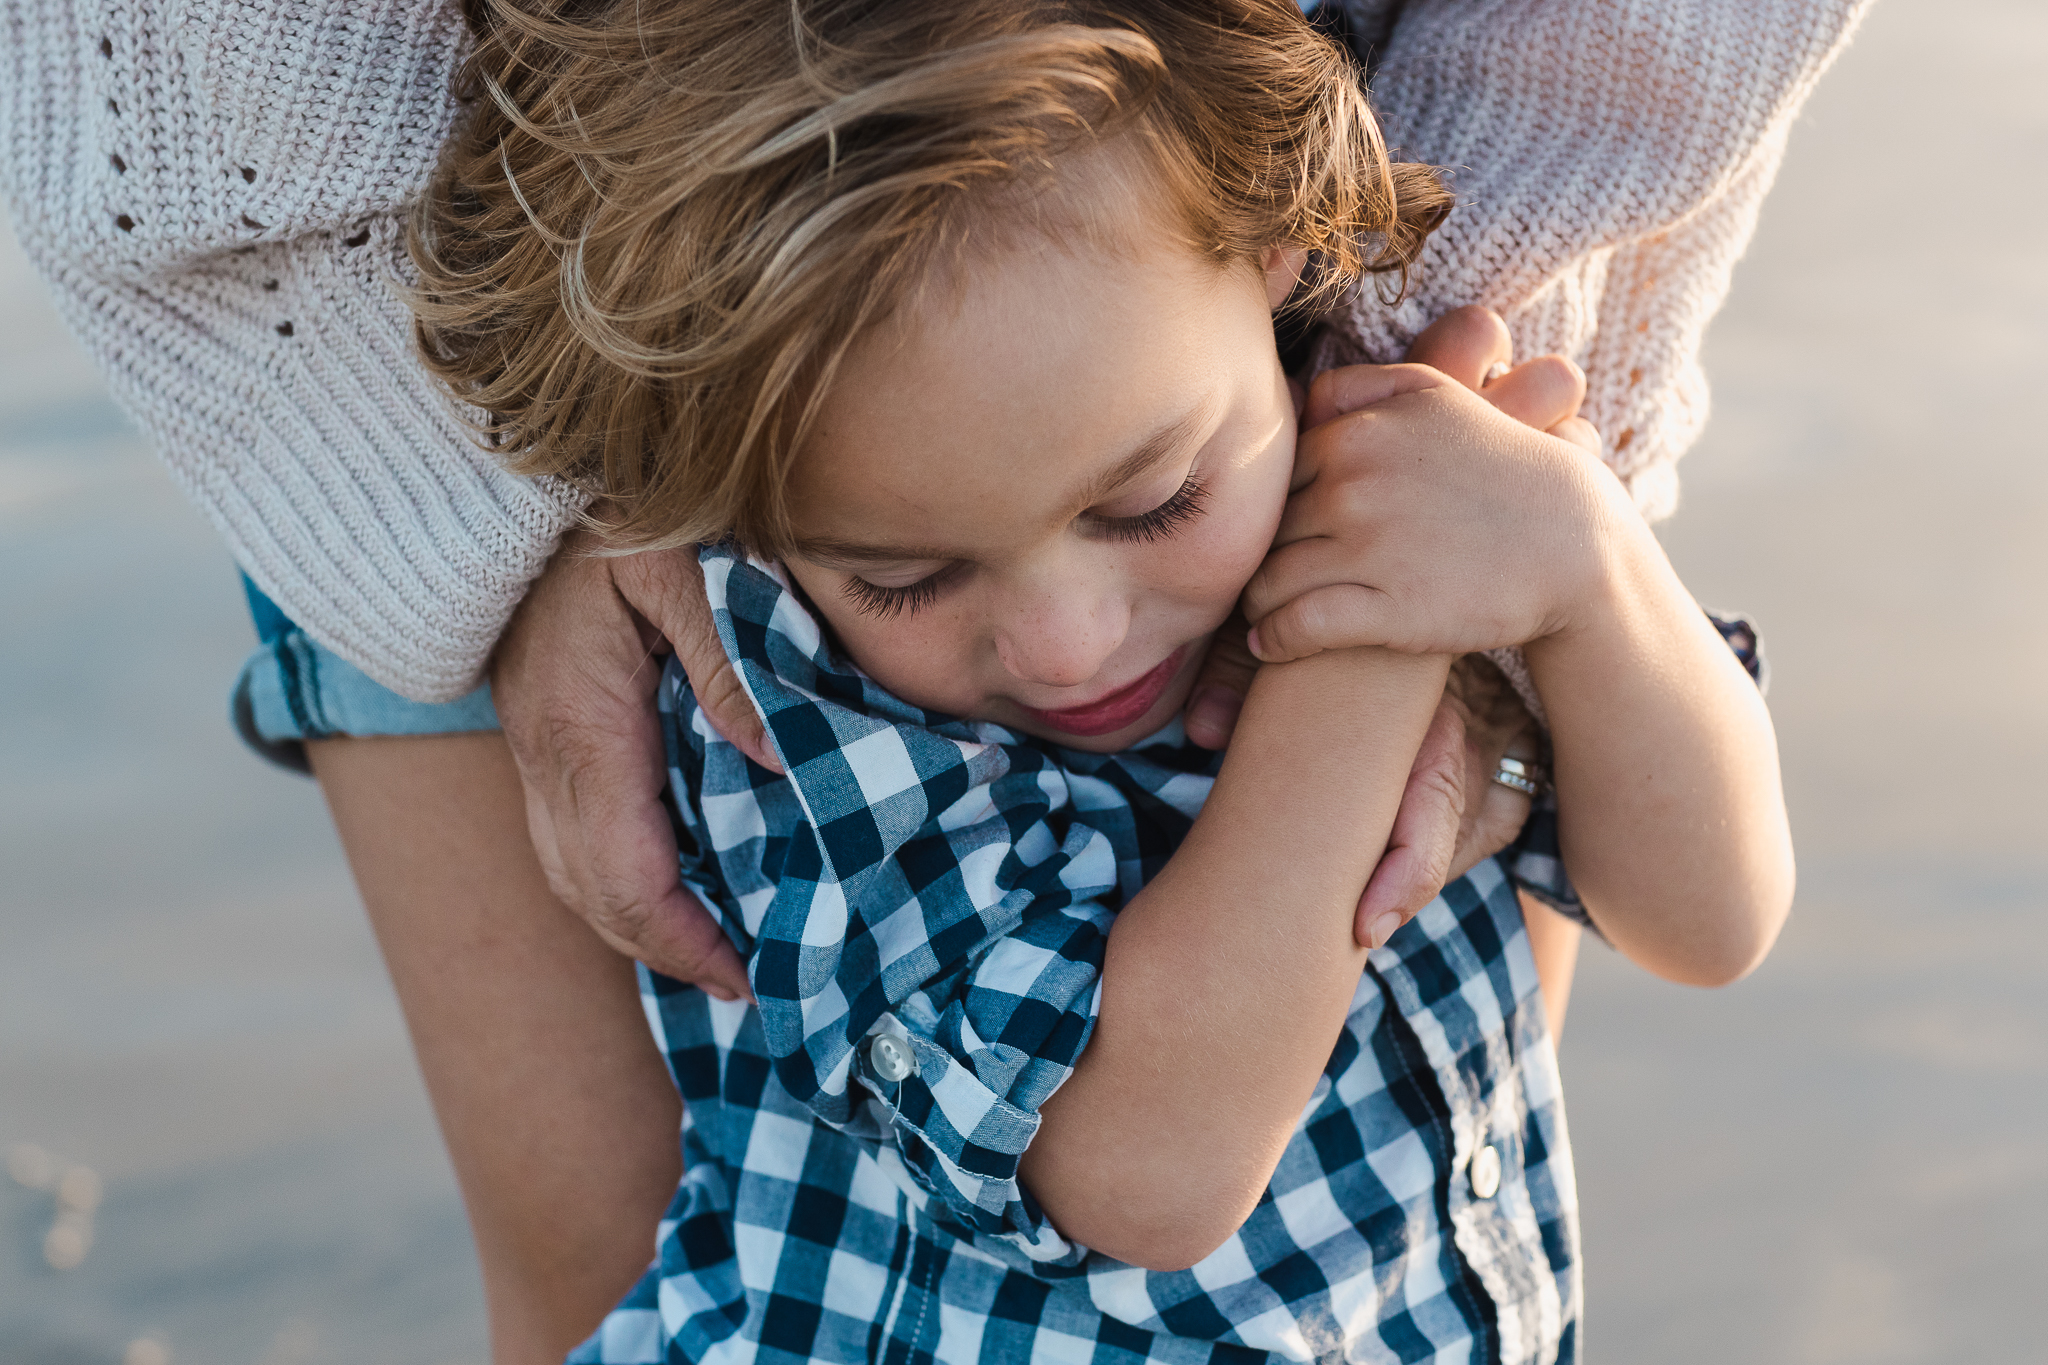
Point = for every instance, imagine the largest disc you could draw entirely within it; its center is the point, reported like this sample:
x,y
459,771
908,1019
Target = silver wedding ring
x,y
1520,776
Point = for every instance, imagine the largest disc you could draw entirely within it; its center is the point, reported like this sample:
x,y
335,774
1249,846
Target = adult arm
x,y
216,194
1603,227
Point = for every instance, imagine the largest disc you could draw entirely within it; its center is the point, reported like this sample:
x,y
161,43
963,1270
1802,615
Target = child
x,y
952,334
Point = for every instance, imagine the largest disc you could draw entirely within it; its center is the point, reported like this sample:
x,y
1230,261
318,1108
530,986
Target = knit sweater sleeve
x,y
215,190
1610,158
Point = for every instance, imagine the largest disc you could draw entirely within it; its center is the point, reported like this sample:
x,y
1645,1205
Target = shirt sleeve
x,y
937,935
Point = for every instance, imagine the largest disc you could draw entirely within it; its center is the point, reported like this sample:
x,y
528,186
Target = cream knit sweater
x,y
216,189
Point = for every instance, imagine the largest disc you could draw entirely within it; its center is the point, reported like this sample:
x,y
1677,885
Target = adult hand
x,y
574,680
1453,814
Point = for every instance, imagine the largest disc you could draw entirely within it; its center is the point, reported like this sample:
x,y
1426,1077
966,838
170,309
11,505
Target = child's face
x,y
1034,504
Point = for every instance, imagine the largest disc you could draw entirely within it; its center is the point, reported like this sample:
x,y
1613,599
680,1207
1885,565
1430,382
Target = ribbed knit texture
x,y
216,191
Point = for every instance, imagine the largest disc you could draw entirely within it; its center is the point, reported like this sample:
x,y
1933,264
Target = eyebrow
x,y
1147,454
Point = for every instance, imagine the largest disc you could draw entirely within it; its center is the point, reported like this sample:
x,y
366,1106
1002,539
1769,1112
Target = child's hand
x,y
1428,519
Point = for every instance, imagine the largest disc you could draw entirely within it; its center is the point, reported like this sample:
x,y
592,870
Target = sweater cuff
x,y
283,390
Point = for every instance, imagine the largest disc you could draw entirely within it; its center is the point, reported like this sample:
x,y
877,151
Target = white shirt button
x,y
1485,1173
891,1058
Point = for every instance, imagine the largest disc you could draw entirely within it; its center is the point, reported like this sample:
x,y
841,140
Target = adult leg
x,y
558,1115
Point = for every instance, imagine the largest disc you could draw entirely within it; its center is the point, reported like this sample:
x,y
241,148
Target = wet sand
x,y
1838,1160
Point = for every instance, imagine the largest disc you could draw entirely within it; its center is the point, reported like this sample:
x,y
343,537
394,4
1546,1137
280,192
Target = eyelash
x,y
872,599
1162,521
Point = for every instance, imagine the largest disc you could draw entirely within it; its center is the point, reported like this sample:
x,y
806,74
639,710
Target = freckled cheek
x,y
1212,564
926,658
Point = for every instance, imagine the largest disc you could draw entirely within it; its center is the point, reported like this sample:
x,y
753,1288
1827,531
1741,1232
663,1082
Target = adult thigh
x,y
558,1114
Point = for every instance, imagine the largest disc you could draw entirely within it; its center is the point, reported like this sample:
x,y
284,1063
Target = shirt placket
x,y
1493,1222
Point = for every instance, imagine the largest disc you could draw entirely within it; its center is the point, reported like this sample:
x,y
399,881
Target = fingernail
x,y
1213,712
1380,930
1251,642
718,992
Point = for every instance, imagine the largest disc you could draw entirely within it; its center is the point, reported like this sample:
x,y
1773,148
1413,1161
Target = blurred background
x,y
1842,1159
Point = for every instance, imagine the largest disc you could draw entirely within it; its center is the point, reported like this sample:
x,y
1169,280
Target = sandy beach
x,y
1840,1159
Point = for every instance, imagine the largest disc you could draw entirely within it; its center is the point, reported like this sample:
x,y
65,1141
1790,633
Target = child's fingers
x,y
1580,433
1302,565
1219,691
1540,393
1338,616
1347,389
1464,344
1425,834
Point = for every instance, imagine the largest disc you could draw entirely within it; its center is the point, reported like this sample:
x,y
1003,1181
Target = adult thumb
x,y
1424,838
667,587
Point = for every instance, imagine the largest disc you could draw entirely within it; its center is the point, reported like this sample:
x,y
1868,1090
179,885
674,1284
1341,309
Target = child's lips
x,y
1125,706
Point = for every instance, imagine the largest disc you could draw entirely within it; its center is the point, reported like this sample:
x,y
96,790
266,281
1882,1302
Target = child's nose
x,y
1061,634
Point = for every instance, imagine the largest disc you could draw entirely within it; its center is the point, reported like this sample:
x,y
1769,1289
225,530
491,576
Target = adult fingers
x,y
1540,393
1467,344
574,688
618,851
1464,344
667,587
1219,691
1494,818
1418,858
1497,724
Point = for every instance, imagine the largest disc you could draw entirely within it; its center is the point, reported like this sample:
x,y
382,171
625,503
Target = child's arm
x,y
1424,520
1228,978
1671,816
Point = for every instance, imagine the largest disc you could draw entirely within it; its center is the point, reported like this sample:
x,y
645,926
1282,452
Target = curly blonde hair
x,y
665,221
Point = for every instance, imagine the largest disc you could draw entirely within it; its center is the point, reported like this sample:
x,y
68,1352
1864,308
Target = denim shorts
x,y
292,690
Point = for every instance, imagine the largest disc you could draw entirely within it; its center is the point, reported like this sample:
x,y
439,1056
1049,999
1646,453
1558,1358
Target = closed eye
x,y
1162,521
872,599
887,603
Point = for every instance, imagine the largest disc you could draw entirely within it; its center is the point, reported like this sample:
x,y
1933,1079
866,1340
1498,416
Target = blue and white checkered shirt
x,y
923,903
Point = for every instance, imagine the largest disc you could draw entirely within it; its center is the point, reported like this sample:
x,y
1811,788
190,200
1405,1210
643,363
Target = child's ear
x,y
1283,266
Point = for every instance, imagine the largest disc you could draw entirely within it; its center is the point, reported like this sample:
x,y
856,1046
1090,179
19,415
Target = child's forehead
x,y
1054,380
1039,340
